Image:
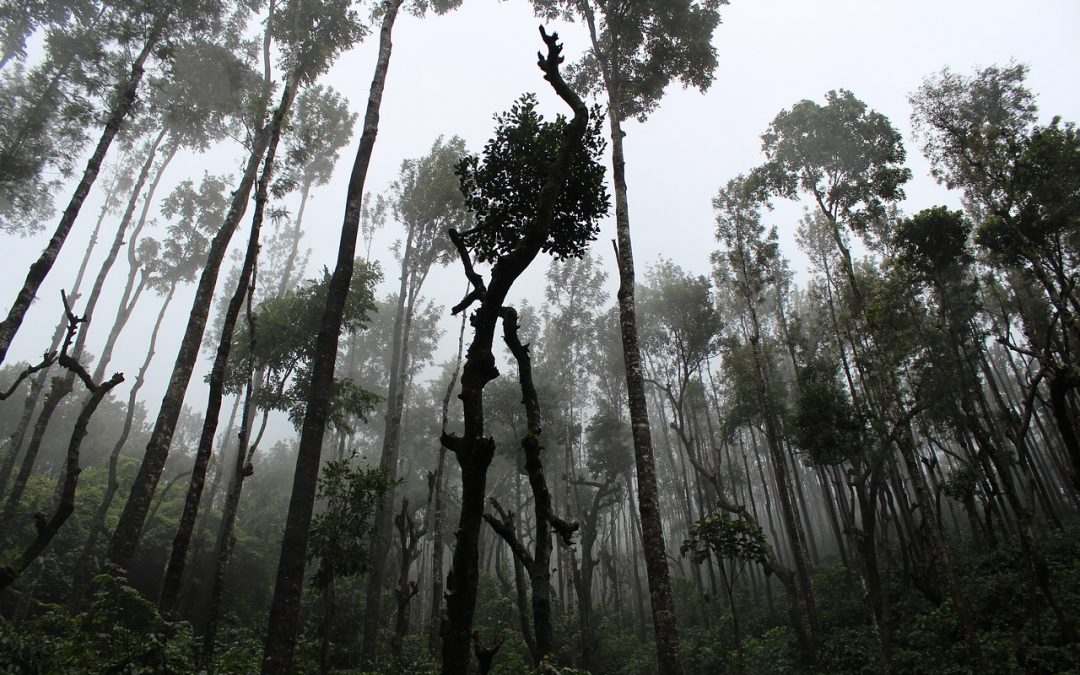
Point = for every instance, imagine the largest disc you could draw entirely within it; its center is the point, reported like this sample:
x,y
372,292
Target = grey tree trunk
x,y
285,606
41,267
388,460
174,571
125,539
652,529
129,298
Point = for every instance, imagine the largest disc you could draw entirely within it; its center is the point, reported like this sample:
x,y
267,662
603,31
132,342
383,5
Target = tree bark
x,y
125,538
174,571
285,607
652,530
388,460
41,267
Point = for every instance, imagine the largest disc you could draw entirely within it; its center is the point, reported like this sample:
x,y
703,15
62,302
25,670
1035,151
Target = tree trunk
x,y
388,460
174,571
15,442
437,520
127,302
652,530
41,267
125,539
285,607
225,540
84,567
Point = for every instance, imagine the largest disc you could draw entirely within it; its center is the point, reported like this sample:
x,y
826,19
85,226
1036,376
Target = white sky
x,y
449,75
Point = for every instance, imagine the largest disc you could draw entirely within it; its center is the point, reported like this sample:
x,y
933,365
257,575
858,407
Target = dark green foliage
x,y
120,632
720,536
287,328
826,425
502,188
341,533
961,483
934,242
649,44
847,158
1045,188
608,438
316,32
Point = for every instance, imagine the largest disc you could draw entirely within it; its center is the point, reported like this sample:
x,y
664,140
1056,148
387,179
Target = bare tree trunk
x,y
285,607
388,460
15,442
41,267
130,297
174,571
125,539
652,530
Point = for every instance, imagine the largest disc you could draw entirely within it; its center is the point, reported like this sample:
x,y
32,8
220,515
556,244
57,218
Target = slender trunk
x,y
58,390
285,607
99,283
294,251
437,521
388,460
1060,385
125,539
174,572
225,540
84,567
37,386
652,530
41,267
127,302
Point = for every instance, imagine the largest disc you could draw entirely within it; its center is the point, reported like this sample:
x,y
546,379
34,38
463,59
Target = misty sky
x,y
449,75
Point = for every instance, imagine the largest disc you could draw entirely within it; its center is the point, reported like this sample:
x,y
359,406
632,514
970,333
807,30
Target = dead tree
x,y
47,527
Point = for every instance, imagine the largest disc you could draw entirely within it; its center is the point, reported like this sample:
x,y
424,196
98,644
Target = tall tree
x,y
321,126
154,25
329,29
426,200
285,606
1021,185
746,265
538,187
637,49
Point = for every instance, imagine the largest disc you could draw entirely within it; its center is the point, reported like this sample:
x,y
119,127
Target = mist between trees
x,y
868,465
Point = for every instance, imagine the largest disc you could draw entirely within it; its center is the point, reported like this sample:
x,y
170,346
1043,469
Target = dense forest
x,y
261,413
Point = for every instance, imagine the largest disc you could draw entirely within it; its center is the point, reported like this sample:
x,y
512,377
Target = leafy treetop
x,y
502,188
847,158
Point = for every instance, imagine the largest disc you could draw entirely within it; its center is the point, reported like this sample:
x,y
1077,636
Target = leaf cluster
x,y
502,188
719,534
643,46
848,158
341,533
827,428
286,330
